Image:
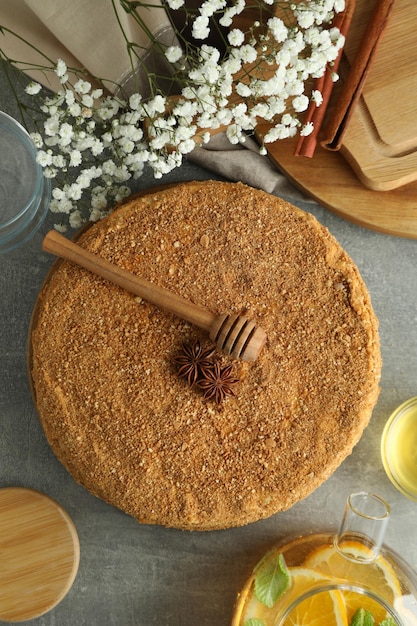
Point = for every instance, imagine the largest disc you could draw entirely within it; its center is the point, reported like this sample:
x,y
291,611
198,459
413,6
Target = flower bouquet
x,y
227,65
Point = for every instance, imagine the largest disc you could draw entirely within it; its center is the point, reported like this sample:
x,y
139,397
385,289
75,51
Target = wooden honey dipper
x,y
234,334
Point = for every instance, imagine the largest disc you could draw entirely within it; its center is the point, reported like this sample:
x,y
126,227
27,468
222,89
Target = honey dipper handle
x,y
57,244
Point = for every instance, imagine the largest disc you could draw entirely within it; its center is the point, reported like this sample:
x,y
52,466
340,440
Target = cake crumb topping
x,y
107,389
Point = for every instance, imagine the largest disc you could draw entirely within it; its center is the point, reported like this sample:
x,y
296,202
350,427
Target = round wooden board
x,y
40,554
328,178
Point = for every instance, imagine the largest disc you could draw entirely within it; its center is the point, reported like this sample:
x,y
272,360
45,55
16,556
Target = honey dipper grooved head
x,y
239,336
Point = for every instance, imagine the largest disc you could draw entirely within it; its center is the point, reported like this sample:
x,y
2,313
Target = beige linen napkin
x,y
84,34
243,163
18,17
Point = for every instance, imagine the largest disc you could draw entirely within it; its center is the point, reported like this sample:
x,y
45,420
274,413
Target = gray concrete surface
x,y
133,575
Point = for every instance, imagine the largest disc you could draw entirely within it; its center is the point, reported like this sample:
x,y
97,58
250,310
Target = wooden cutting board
x,y
39,554
381,140
373,180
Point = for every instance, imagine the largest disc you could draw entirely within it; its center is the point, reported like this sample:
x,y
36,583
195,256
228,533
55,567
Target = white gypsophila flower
x,y
66,133
60,228
210,7
131,117
185,109
307,129
62,205
83,142
69,97
87,100
82,86
236,37
305,18
74,191
243,90
234,133
317,97
158,104
61,68
279,132
135,101
59,162
33,88
50,172
51,126
289,120
126,144
97,147
95,214
121,192
278,29
74,109
173,54
201,29
276,105
76,219
185,147
37,139
108,109
96,93
247,53
58,194
230,12
99,197
300,103
261,110
339,6
44,158
175,4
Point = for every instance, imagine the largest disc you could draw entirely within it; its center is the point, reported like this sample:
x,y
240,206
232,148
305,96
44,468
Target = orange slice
x,y
378,576
326,608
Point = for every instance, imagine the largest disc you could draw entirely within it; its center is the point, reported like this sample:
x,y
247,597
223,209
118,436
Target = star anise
x,y
193,361
217,382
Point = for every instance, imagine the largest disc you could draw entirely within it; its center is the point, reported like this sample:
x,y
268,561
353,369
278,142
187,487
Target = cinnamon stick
x,y
315,114
356,77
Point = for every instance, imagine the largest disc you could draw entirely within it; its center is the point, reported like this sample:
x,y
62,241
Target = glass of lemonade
x,y
399,448
347,579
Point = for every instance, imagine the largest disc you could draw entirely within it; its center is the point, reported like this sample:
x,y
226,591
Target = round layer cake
x,y
113,378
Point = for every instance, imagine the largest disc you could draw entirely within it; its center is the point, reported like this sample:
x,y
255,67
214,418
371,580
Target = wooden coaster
x,y
40,554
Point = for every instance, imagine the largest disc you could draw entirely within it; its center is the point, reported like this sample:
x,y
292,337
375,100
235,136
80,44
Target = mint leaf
x,y
388,622
271,580
254,621
362,617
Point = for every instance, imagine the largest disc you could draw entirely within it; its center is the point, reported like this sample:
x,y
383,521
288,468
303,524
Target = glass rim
x,y
341,586
372,496
13,126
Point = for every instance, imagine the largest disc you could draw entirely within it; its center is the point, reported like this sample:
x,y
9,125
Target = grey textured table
x,y
133,575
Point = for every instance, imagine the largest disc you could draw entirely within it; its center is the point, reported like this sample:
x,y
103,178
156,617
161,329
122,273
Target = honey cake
x,y
105,373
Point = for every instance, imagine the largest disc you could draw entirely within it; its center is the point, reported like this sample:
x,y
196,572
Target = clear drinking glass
x,y
24,191
364,523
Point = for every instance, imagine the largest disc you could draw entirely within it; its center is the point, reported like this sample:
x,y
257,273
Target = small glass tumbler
x,y
24,191
399,448
364,523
